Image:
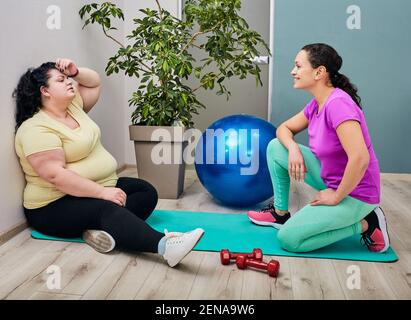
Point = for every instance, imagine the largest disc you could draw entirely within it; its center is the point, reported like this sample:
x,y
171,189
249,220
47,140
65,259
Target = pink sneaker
x,y
268,217
376,238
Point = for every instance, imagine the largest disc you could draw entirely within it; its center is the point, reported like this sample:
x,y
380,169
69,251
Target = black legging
x,y
69,216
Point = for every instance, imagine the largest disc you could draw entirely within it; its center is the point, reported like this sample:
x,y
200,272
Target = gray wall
x,y
376,59
131,11
26,41
245,97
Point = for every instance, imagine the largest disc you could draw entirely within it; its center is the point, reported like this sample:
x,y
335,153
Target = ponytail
x,y
321,54
339,80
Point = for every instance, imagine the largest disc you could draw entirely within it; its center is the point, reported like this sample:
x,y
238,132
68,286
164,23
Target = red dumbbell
x,y
272,267
226,256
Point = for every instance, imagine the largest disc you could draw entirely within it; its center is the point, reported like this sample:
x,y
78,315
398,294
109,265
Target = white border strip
x,y
180,9
271,65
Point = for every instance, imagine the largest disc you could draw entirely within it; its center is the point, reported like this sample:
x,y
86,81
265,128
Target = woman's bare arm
x,y
352,140
50,166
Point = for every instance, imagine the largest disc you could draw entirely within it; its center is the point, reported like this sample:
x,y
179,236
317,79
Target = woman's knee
x,y
288,240
149,189
144,189
274,147
152,195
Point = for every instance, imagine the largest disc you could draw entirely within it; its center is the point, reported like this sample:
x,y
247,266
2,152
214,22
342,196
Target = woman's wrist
x,y
339,196
293,146
75,73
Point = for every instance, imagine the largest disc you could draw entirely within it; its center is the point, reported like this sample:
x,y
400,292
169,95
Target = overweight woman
x,y
72,189
340,163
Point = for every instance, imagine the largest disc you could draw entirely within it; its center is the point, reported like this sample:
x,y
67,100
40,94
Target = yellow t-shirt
x,y
84,152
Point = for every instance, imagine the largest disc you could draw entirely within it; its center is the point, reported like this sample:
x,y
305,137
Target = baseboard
x,y
6,236
122,168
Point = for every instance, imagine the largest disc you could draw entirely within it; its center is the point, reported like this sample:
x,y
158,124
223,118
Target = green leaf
x,y
165,66
154,54
197,72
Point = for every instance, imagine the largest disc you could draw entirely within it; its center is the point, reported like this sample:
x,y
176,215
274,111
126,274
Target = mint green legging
x,y
312,227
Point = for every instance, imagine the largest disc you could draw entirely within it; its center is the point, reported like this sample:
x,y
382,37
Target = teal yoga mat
x,y
236,233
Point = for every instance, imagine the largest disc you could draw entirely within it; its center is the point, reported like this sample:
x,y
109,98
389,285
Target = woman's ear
x,y
320,73
44,91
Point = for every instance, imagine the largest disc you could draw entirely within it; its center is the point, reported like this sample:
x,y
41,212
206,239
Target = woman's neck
x,y
321,95
58,110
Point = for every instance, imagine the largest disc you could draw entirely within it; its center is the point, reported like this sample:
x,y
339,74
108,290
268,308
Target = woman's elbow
x,y
362,160
54,177
279,128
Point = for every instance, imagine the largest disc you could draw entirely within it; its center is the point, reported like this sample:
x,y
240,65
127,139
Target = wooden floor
x,y
86,274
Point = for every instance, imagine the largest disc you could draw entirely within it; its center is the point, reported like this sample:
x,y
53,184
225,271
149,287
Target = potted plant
x,y
159,53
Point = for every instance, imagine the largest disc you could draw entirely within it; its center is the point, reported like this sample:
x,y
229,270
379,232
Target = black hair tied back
x,y
321,54
27,94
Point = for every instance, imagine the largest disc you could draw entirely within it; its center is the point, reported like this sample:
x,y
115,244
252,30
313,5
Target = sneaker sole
x,y
264,223
383,224
102,243
199,238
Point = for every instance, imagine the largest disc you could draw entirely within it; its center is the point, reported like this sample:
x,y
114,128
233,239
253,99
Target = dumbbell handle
x,y
226,255
249,255
257,264
272,267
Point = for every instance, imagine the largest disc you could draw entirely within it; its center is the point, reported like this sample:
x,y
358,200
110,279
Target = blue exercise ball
x,y
230,160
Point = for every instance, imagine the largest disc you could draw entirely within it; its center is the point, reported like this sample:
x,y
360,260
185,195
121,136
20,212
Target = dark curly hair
x,y
321,54
27,94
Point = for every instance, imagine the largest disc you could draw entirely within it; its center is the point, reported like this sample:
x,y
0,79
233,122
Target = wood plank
x,y
175,283
29,261
404,266
13,231
216,281
15,242
103,286
314,279
396,278
258,285
85,270
38,283
281,288
134,277
373,285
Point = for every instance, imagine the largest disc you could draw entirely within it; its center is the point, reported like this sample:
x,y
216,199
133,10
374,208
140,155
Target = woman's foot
x,y
99,240
376,236
269,217
179,244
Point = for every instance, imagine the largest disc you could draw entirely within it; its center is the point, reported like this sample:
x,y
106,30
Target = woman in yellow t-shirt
x,y
72,188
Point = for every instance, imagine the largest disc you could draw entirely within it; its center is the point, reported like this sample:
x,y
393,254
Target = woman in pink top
x,y
340,163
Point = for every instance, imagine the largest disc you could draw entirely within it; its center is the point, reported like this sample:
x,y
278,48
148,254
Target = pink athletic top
x,y
326,146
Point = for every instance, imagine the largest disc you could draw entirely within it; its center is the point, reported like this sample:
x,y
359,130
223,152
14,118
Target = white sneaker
x,y
99,240
179,244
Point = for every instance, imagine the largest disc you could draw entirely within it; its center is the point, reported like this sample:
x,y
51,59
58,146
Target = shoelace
x,y
366,239
269,207
174,237
172,234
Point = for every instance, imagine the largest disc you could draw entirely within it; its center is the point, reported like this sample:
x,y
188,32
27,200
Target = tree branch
x,y
121,45
108,36
218,75
143,64
190,41
196,46
160,10
195,35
